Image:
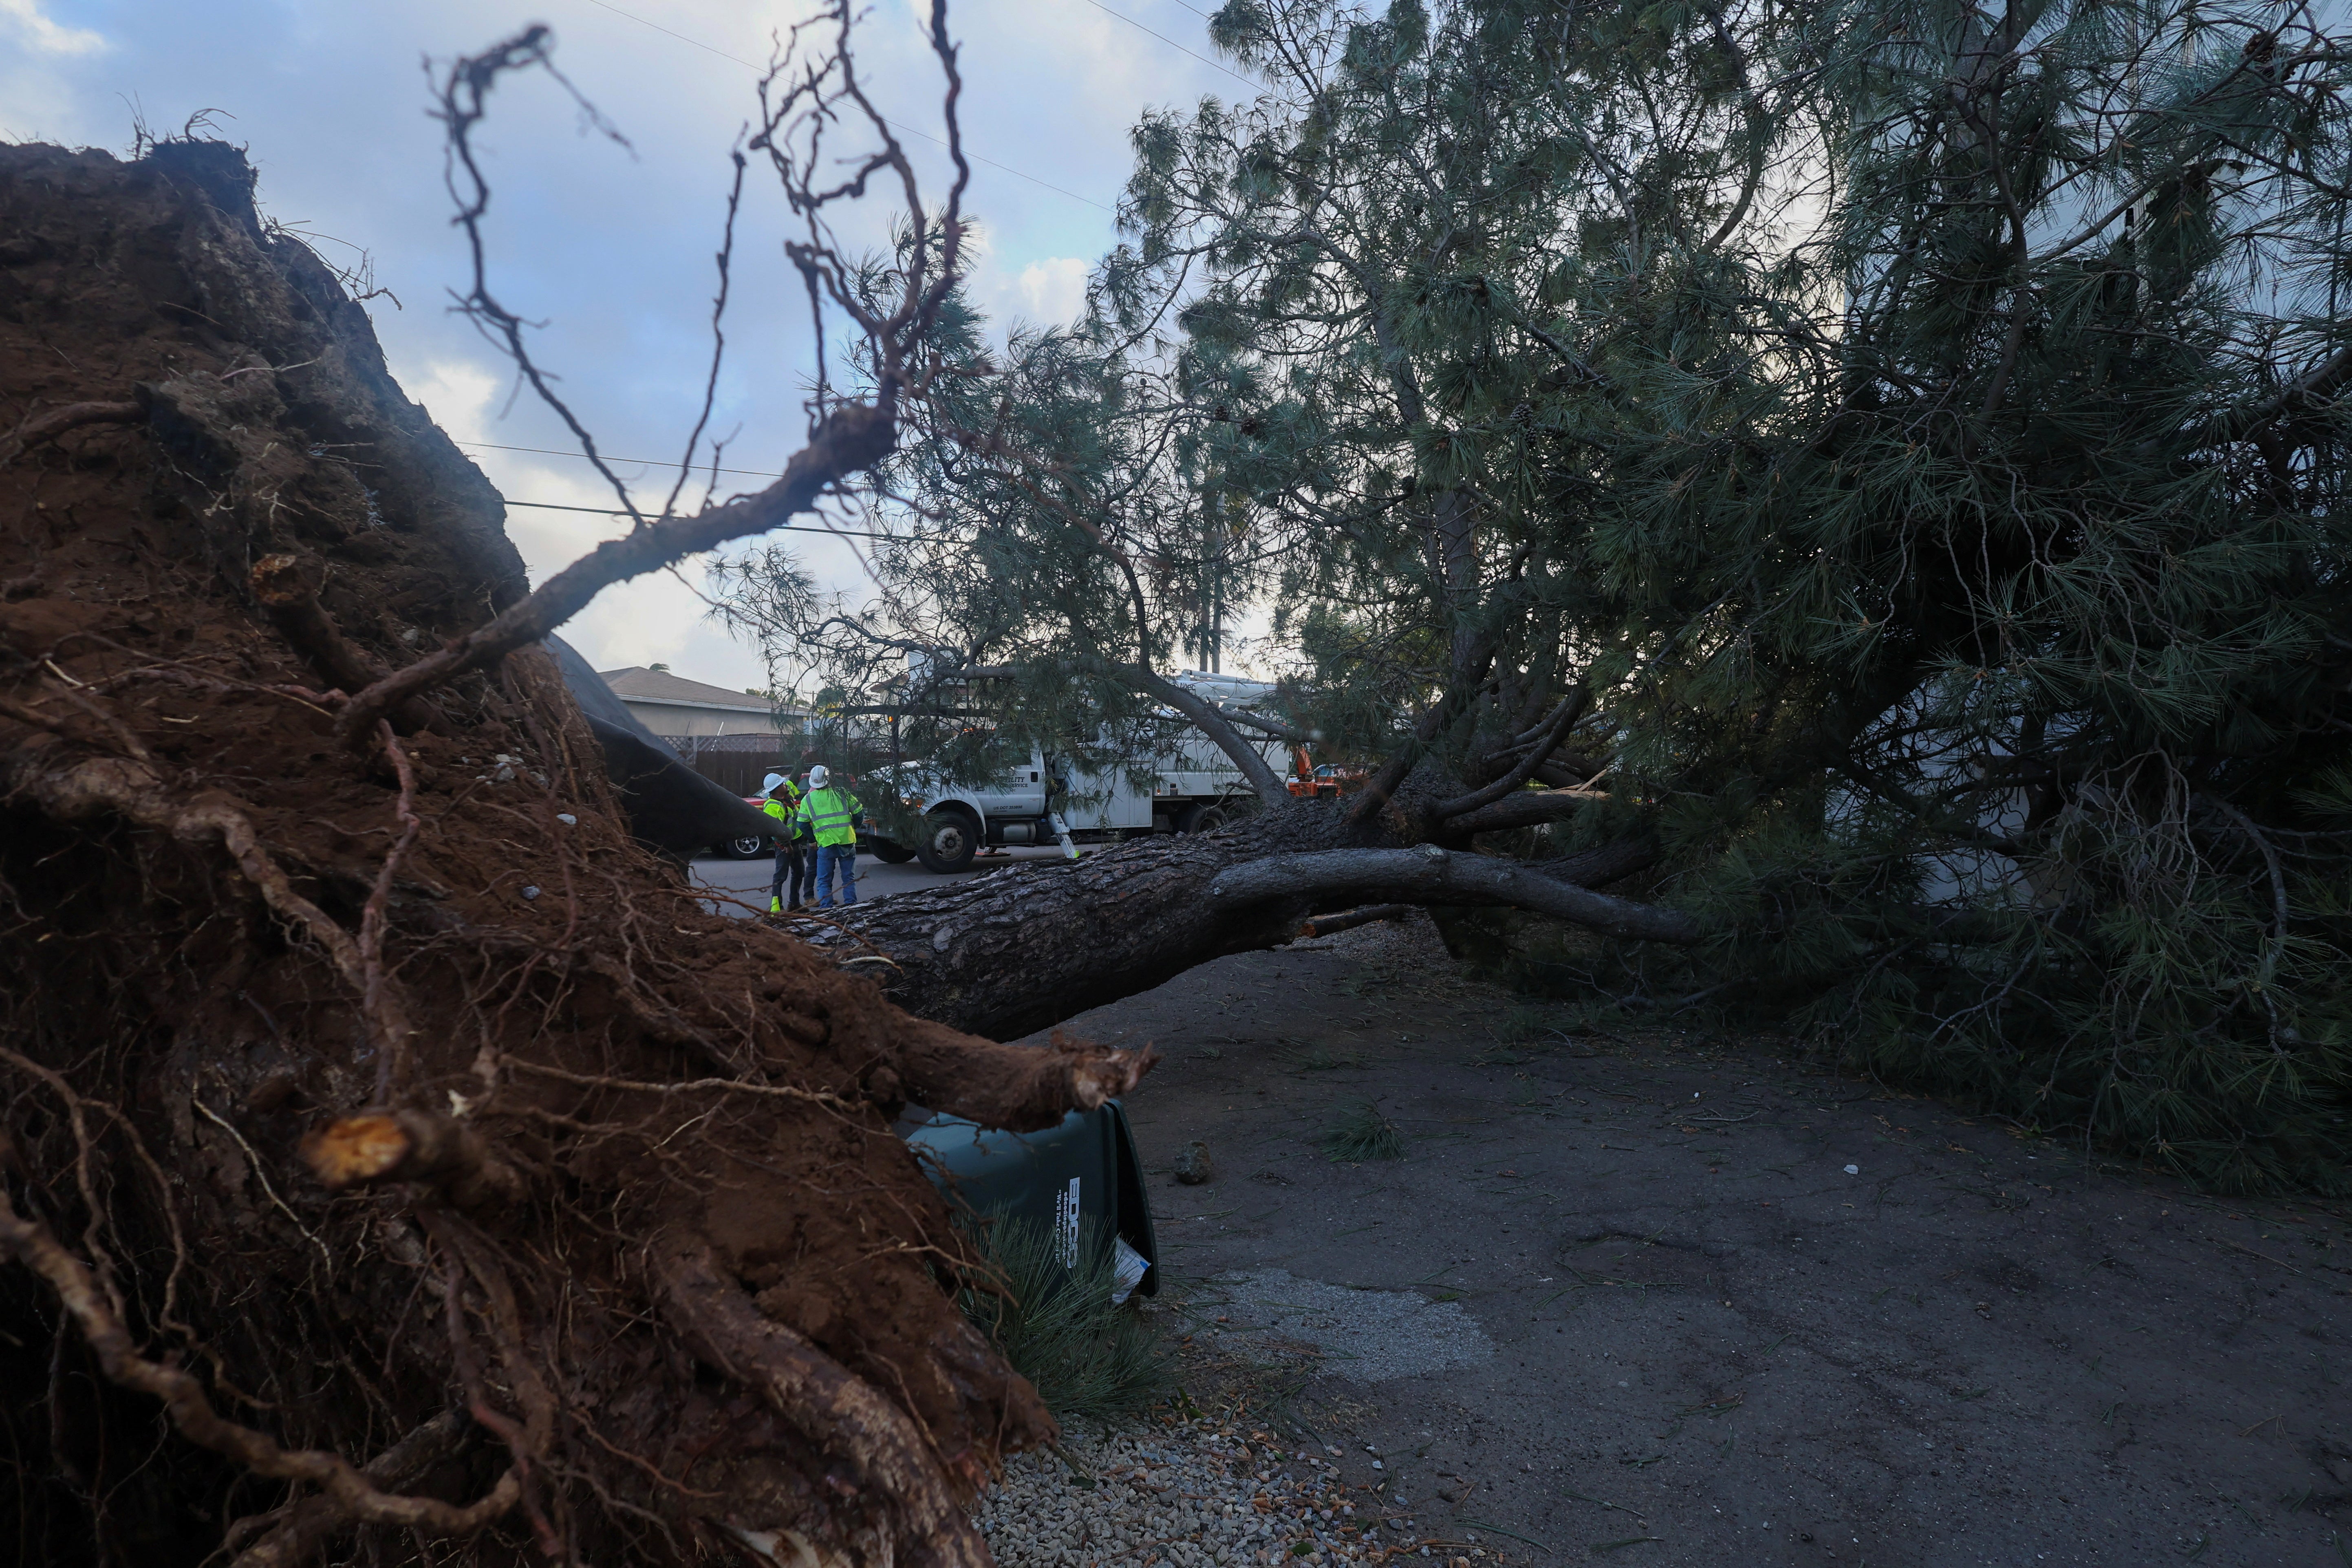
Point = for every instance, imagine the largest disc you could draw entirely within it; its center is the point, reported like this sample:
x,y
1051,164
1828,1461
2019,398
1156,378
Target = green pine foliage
x,y
1917,427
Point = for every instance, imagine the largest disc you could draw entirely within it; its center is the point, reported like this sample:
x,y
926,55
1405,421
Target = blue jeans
x,y
832,858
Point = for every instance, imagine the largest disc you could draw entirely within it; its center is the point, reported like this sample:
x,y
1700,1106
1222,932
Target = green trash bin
x,y
1080,1176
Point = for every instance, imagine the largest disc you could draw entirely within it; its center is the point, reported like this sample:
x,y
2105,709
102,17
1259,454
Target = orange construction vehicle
x,y
1328,781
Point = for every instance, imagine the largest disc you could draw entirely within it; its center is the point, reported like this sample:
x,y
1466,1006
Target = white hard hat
x,y
817,776
768,785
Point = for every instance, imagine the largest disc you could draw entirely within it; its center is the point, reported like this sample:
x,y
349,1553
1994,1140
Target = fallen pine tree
x,y
1025,947
1898,452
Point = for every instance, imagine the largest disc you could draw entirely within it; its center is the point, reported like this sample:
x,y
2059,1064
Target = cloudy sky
x,y
612,248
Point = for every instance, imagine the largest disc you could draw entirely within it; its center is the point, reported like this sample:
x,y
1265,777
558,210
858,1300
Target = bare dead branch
x,y
852,437
845,437
463,102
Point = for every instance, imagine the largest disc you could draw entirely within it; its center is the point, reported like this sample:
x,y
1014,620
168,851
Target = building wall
x,y
671,718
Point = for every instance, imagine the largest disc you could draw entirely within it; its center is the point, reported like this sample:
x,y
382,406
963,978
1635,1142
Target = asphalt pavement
x,y
744,883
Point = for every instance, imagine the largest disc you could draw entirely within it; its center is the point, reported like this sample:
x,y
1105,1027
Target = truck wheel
x,y
951,838
750,848
1201,818
889,854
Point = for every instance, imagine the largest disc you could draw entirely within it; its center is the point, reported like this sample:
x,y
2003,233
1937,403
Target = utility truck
x,y
1178,782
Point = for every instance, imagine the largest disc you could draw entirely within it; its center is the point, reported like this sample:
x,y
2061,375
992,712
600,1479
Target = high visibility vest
x,y
783,805
832,814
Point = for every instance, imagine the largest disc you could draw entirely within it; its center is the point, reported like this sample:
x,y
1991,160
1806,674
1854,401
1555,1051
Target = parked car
x,y
751,846
671,807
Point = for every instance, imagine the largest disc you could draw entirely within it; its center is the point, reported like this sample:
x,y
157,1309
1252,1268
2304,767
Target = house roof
x,y
638,684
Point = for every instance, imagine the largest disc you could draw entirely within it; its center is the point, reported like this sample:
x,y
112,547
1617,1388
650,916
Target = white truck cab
x,y
1186,785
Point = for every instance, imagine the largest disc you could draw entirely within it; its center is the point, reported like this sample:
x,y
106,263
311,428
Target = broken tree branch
x,y
1433,876
1563,719
852,437
1524,808
1349,920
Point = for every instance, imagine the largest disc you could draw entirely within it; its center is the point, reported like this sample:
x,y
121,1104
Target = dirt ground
x,y
1725,1310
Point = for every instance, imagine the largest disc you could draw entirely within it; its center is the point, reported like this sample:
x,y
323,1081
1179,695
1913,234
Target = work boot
x,y
775,906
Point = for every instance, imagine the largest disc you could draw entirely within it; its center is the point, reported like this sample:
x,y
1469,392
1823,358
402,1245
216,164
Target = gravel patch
x,y
1365,1336
1201,1492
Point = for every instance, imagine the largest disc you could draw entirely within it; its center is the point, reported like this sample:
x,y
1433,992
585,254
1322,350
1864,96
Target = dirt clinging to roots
x,y
669,1319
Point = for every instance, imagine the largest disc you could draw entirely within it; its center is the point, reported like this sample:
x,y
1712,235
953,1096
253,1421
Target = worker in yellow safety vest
x,y
793,856
834,817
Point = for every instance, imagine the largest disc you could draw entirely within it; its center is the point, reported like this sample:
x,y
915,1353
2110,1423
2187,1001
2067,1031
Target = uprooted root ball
x,y
349,1186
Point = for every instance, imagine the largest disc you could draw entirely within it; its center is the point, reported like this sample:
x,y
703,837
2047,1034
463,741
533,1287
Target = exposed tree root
x,y
837,1411
48,426
309,1525
355,1497
76,789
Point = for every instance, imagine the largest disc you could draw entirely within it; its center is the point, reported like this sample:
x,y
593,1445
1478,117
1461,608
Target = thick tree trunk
x,y
1017,950
1024,948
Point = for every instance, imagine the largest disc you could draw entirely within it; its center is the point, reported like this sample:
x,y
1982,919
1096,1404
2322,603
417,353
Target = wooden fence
x,y
740,761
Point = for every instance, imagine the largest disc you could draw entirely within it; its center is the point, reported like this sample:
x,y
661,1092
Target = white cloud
x,y
44,37
654,619
457,395
1053,291
1047,292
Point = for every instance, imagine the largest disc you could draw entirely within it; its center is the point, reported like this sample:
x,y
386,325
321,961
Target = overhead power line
x,y
649,462
911,131
1171,43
